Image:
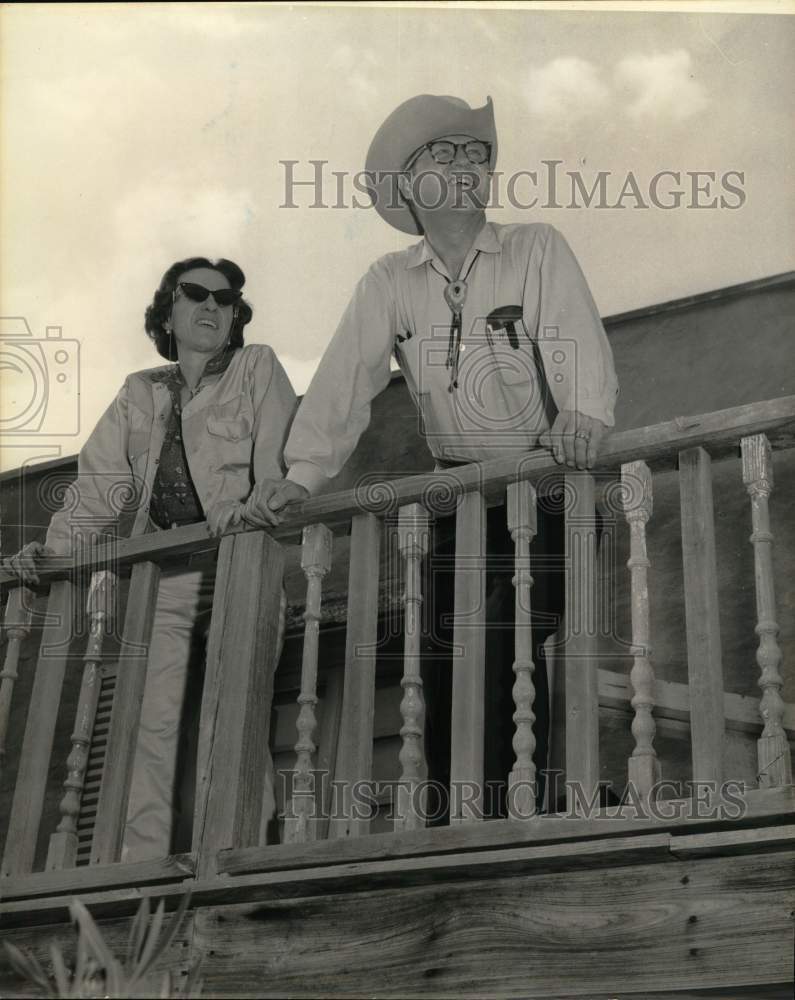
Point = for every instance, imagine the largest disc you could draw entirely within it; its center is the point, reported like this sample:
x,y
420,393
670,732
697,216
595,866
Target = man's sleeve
x,y
274,407
577,356
104,489
335,411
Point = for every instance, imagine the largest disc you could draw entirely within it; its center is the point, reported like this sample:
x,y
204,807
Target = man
x,y
481,319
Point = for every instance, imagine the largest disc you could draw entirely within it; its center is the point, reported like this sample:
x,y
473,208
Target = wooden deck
x,y
554,907
671,897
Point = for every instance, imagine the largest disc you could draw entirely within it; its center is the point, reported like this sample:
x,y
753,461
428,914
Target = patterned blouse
x,y
174,498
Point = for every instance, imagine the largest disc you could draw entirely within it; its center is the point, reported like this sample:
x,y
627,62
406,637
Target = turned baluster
x,y
315,562
413,545
523,525
643,765
775,765
17,627
62,851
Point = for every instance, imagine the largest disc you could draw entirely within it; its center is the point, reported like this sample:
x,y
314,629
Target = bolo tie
x,y
455,295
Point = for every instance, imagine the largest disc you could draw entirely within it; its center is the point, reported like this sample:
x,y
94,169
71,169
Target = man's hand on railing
x,y
268,497
223,515
574,439
25,562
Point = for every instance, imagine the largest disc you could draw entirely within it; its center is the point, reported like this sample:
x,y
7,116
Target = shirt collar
x,y
486,242
218,363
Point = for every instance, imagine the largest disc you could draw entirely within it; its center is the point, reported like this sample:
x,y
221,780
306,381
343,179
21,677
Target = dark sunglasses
x,y
198,293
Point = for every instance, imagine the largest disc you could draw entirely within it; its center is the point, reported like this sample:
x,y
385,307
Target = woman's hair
x,y
160,310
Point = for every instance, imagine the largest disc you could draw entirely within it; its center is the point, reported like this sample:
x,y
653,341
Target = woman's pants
x,y
160,809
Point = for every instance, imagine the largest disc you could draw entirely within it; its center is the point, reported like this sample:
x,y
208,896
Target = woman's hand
x,y
268,497
223,515
25,562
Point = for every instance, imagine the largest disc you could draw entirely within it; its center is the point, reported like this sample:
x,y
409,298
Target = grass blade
x,y
28,966
62,977
173,927
137,935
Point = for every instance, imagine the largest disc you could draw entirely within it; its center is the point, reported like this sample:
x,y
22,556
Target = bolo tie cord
x,y
455,296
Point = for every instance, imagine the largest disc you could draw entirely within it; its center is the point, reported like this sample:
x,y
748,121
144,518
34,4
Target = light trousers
x,y
160,807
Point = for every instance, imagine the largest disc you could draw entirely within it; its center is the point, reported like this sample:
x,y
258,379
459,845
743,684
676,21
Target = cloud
x,y
358,69
661,85
566,88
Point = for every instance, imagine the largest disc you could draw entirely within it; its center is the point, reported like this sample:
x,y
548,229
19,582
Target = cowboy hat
x,y
411,125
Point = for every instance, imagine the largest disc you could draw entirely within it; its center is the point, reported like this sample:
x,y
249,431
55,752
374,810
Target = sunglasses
x,y
198,293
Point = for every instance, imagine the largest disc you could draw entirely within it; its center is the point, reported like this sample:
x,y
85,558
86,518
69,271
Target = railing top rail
x,y
657,444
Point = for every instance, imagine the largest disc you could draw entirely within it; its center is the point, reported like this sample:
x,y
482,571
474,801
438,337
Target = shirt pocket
x,y
515,367
232,420
229,428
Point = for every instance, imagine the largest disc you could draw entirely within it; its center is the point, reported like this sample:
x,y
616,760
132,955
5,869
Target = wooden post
x,y
523,525
469,635
62,851
34,758
773,753
315,562
327,746
582,691
114,790
238,693
704,657
413,545
17,623
643,766
355,752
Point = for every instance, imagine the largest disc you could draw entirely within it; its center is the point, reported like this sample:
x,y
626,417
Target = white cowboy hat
x,y
411,125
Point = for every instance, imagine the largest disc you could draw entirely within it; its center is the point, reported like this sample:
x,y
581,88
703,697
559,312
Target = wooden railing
x,y
242,649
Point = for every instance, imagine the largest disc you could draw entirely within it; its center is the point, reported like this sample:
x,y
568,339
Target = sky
x,y
136,135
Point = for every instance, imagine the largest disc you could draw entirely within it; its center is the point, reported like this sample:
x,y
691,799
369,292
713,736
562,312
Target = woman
x,y
186,442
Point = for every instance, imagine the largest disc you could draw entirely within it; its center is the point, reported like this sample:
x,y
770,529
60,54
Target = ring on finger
x,y
581,436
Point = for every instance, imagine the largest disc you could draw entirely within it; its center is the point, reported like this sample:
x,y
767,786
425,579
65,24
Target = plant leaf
x,y
62,977
95,944
81,961
137,935
155,925
173,927
193,985
28,966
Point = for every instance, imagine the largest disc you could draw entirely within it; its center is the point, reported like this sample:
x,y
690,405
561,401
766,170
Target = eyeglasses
x,y
198,293
445,151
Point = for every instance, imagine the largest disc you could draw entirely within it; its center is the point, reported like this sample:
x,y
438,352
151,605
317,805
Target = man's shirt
x,y
399,308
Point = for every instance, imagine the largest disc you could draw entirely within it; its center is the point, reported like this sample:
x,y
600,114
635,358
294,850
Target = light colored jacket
x,y
234,432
